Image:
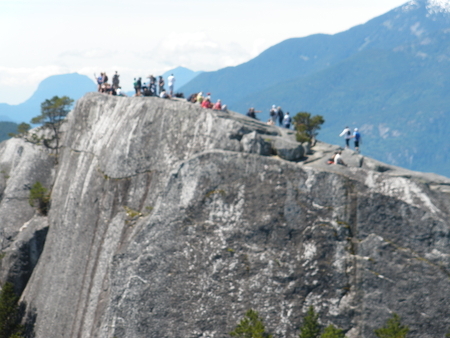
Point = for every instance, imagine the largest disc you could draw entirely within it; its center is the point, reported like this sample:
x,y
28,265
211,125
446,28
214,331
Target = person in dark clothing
x,y
252,113
280,116
161,85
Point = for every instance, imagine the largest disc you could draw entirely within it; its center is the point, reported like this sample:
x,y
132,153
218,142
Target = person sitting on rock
x,y
164,95
217,105
207,103
338,159
200,98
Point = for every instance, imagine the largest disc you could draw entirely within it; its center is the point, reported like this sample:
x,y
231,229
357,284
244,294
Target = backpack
x,y
106,79
348,132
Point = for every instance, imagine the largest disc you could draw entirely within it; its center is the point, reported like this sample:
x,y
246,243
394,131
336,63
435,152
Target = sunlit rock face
x,y
169,220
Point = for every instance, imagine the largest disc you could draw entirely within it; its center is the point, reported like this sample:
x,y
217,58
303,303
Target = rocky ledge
x,y
169,220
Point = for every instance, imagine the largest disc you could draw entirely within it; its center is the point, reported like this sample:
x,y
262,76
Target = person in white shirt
x,y
171,82
348,135
338,159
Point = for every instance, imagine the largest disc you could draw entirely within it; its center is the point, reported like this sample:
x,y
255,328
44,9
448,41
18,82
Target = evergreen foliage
x,y
310,327
307,126
251,326
53,114
393,328
40,197
9,313
332,332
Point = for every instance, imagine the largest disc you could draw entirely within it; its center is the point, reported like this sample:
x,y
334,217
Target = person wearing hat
x,y
357,137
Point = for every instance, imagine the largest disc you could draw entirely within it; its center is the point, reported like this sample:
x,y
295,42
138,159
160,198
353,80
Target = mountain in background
x,y
387,77
182,76
73,85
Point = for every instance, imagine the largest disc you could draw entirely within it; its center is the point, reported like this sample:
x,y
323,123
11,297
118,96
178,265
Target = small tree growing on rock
x,y
307,126
393,328
39,197
53,114
311,326
332,332
251,326
9,313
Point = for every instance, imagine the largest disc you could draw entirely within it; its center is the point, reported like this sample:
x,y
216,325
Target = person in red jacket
x,y
207,103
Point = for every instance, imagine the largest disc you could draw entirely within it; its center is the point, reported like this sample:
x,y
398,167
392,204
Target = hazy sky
x,y
45,37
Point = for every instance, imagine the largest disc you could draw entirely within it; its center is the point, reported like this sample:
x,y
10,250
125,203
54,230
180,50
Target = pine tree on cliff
x,y
310,327
332,332
251,326
53,114
9,313
393,328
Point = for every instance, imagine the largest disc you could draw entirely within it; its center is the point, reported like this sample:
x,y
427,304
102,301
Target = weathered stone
x,y
163,225
288,150
254,144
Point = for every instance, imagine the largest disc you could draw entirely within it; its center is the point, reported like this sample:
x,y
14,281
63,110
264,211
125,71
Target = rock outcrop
x,y
169,220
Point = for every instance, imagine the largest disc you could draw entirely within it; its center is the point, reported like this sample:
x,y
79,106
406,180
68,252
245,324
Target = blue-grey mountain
x,y
73,85
387,77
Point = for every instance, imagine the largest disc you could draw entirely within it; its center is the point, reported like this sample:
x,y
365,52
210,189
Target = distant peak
x,y
438,6
433,6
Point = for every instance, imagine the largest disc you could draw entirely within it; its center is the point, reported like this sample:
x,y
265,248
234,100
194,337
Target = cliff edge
x,y
169,220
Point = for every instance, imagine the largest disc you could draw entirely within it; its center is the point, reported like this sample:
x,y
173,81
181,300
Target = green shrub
x,y
310,327
393,328
251,326
332,332
39,197
307,126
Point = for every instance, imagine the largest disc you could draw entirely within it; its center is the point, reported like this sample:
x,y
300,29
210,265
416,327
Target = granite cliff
x,y
168,220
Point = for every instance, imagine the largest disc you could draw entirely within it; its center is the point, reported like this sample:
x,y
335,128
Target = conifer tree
x,y
332,332
9,313
310,327
393,328
251,326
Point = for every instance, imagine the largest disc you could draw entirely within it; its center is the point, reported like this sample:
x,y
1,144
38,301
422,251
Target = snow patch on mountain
x,y
433,6
438,6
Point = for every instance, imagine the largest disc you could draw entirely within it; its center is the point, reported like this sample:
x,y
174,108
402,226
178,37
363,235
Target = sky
x,y
40,38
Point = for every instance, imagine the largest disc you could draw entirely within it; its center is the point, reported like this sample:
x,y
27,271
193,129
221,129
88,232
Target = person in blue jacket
x,y
357,137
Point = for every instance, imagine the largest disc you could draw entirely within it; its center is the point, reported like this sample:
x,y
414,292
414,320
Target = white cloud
x,y
197,51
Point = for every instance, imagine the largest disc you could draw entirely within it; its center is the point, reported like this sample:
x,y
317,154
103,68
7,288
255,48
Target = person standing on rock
x,y
357,137
252,113
273,113
171,82
348,135
161,85
280,116
115,81
287,121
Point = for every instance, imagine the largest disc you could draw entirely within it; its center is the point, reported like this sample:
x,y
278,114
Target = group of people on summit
x,y
155,87
141,89
276,114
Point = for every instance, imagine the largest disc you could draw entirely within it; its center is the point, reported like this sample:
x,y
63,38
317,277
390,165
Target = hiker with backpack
x,y
273,113
287,121
348,135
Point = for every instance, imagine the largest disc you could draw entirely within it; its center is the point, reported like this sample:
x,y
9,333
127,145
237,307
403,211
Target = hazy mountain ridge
x,y
386,76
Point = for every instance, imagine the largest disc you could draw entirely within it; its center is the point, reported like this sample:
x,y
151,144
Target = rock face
x,y
168,220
